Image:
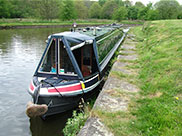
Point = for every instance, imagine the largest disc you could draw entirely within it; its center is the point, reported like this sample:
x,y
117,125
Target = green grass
x,y
25,22
20,22
160,61
132,22
157,109
119,123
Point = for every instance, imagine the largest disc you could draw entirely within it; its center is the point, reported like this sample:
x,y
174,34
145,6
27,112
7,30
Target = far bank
x,y
35,23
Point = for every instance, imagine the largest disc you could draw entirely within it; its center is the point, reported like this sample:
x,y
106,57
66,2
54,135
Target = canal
x,y
20,52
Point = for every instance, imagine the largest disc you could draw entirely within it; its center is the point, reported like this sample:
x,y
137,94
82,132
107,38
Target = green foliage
x,y
167,9
74,124
132,13
68,11
152,15
81,9
102,2
119,2
127,3
120,14
142,14
95,10
108,9
48,9
180,13
139,5
21,9
4,9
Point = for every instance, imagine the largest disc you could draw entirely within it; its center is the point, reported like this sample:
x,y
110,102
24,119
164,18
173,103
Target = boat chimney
x,y
74,26
94,31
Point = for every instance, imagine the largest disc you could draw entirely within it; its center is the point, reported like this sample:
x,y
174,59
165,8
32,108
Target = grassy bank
x,y
28,22
156,110
18,22
159,108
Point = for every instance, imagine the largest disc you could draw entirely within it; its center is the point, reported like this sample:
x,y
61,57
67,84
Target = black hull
x,y
59,104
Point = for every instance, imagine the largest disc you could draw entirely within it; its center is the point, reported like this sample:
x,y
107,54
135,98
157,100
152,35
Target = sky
x,y
153,1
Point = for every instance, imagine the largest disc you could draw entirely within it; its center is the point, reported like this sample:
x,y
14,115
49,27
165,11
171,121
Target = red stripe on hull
x,y
31,87
65,89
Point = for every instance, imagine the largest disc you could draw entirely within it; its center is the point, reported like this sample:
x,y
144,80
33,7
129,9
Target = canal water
x,y
20,52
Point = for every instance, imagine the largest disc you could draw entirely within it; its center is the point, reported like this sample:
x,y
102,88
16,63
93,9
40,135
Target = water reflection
x,y
51,127
20,52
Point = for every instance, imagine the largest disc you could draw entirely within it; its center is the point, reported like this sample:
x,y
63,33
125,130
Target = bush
x,y
120,14
75,123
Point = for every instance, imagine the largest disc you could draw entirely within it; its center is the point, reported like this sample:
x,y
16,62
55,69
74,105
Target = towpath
x,y
112,105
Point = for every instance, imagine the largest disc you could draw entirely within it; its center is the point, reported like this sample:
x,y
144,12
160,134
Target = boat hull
x,y
66,99
60,104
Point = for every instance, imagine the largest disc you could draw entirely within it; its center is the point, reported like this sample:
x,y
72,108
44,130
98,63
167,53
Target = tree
x,y
180,13
68,11
95,10
152,15
21,8
47,9
4,9
167,9
139,5
120,13
108,9
88,3
102,2
142,14
127,3
133,13
119,2
81,9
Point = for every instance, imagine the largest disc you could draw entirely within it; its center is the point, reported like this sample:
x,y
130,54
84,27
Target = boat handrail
x,y
77,46
106,37
81,44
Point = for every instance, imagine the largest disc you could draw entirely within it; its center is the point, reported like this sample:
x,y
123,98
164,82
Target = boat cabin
x,y
70,55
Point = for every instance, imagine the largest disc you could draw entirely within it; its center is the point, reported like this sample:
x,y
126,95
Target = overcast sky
x,y
153,1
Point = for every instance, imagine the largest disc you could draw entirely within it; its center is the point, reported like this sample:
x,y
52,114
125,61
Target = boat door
x,y
86,60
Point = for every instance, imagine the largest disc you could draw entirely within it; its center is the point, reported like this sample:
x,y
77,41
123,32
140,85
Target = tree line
x,y
86,9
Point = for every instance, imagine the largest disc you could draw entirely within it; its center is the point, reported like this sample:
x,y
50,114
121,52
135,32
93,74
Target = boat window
x,y
87,55
65,64
86,60
49,61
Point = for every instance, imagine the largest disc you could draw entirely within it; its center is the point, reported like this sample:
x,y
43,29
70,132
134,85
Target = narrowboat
x,y
72,65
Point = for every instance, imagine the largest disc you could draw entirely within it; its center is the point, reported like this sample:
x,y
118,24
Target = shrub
x,y
75,123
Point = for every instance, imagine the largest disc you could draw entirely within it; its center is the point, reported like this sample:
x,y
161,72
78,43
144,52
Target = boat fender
x,y
98,77
82,85
34,110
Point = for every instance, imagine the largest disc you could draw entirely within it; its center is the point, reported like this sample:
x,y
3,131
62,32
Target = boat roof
x,y
99,31
79,36
74,37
